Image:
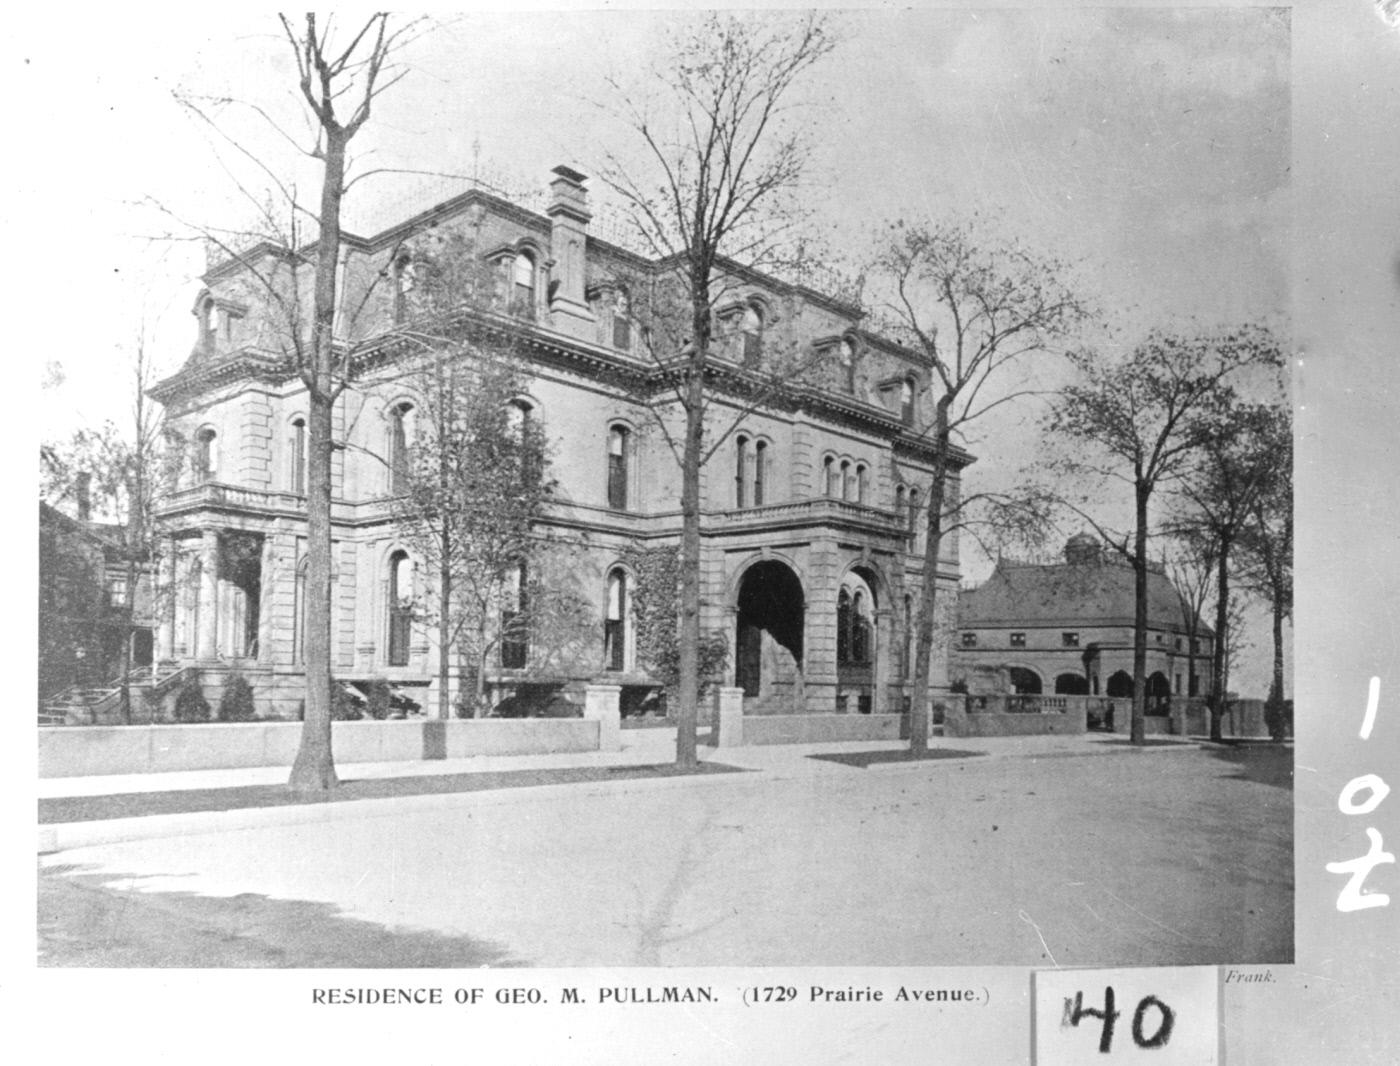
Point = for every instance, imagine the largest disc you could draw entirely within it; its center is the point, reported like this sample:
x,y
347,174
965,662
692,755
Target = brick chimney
x,y
569,216
82,489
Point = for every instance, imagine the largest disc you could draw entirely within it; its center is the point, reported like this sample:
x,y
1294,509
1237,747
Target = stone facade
x,y
811,559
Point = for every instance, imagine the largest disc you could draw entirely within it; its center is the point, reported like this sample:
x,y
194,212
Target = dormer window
x,y
906,402
846,353
622,323
751,325
208,323
403,285
523,278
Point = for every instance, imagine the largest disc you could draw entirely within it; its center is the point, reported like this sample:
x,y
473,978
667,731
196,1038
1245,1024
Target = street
x,y
1127,858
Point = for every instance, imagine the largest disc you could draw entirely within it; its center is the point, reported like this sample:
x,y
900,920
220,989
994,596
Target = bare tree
x,y
712,189
1267,550
1192,570
1239,462
973,308
1145,419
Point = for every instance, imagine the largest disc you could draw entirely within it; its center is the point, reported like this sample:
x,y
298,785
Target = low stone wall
x,y
1001,724
819,728
69,751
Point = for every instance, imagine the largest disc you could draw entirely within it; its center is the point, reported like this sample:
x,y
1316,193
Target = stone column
x,y
729,717
601,703
207,640
884,651
165,599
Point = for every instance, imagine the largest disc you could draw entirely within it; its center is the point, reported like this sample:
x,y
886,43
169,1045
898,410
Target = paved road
x,y
1134,858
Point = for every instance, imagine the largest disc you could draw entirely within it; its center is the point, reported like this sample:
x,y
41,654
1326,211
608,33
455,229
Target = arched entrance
x,y
768,638
1120,685
1024,682
1071,685
1159,696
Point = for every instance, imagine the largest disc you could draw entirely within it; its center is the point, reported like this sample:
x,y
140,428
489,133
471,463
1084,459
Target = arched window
x,y
619,444
615,620
760,471
752,326
914,511
400,607
848,481
906,401
296,448
622,322
862,483
523,275
830,486
741,471
206,454
400,456
899,501
208,323
515,635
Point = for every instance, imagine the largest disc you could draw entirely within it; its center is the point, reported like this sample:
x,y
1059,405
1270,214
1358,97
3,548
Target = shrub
x,y
344,708
380,697
190,704
236,703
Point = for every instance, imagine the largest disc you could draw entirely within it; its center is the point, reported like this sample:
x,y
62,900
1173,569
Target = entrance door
x,y
747,664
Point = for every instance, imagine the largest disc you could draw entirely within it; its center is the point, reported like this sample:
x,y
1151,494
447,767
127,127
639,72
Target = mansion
x,y
811,501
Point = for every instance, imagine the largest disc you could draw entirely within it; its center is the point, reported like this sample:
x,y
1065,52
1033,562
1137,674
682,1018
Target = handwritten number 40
x,y
1166,1018
1352,898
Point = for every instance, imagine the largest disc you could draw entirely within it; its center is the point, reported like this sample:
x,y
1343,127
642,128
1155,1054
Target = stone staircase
x,y
88,704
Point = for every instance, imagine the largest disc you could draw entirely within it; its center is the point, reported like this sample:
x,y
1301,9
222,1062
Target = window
x,y
969,640
848,481
860,630
622,324
1178,643
619,443
760,471
1069,640
830,485
741,471
116,591
862,483
400,607
615,622
752,326
913,511
400,458
206,454
515,637
297,448
403,285
208,323
523,275
1018,640
906,402
899,501
847,355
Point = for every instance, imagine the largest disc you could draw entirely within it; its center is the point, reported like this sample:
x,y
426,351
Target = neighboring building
x,y
1067,628
811,562
89,610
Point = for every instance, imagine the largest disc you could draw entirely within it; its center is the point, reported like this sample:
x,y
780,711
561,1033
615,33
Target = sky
x,y
1147,147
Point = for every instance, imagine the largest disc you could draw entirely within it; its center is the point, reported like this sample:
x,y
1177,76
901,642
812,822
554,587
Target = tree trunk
x,y
444,632
687,710
130,629
920,710
1222,619
1138,731
314,768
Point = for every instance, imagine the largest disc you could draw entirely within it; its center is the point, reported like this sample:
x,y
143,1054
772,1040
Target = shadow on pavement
x,y
1264,762
84,923
864,759
58,810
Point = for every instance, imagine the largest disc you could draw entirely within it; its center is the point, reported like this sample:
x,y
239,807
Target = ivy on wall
x,y
656,599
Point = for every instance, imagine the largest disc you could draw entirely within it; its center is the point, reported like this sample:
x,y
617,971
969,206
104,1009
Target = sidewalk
x,y
157,805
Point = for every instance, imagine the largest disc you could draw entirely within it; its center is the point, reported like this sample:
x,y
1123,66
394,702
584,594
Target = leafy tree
x,y
974,308
1142,421
719,161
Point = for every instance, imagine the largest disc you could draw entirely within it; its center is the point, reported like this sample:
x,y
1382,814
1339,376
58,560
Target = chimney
x,y
82,488
569,216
